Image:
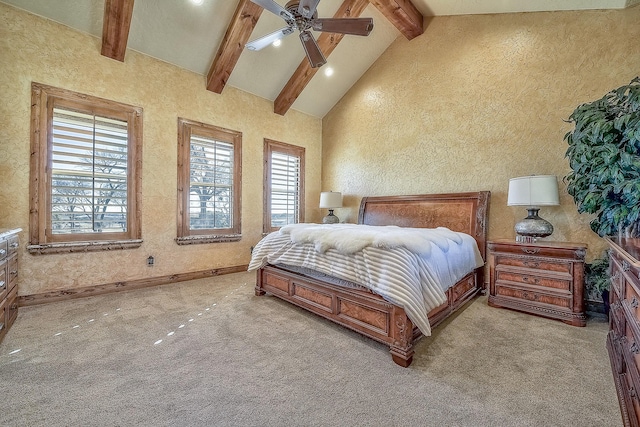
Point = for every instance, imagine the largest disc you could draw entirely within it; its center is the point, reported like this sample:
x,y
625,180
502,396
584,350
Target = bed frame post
x,y
259,291
402,332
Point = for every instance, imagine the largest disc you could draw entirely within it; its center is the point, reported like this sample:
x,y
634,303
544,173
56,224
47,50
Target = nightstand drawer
x,y
563,301
534,278
541,264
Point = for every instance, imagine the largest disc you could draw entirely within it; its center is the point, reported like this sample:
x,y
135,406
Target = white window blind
x,y
285,189
89,173
211,184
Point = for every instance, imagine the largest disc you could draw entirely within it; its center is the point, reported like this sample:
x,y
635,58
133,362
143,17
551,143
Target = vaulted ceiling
x,y
209,38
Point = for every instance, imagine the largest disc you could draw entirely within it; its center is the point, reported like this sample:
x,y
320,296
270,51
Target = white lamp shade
x,y
330,200
534,190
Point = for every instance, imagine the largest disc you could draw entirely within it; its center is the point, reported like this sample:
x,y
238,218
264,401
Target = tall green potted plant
x,y
604,156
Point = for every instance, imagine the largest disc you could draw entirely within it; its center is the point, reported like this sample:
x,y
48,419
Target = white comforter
x,y
409,267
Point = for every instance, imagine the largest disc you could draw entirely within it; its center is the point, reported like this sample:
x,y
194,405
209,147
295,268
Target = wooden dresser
x,y
623,340
8,279
545,278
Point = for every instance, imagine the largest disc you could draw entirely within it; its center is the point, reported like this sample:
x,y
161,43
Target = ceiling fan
x,y
302,15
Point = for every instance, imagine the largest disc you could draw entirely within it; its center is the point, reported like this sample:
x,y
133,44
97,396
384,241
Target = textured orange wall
x,y
475,101
34,49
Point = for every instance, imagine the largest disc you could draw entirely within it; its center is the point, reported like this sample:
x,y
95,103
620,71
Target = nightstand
x,y
544,278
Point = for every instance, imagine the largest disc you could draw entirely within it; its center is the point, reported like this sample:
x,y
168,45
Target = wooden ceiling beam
x,y
327,42
115,28
403,14
237,35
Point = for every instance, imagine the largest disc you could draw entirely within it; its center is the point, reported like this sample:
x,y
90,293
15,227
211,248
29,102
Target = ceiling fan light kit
x,y
302,15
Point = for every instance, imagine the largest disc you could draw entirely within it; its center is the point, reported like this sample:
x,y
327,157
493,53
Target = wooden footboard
x,y
368,313
362,311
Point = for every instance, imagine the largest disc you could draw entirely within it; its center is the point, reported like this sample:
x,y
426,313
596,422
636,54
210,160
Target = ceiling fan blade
x,y
316,58
307,8
265,41
354,26
275,8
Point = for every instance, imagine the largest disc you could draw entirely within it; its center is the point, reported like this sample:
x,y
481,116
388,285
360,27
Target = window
x,y
209,183
283,185
85,172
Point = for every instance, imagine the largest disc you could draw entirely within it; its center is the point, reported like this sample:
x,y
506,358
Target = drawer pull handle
x,y
632,392
625,266
527,295
530,251
14,272
14,245
2,284
528,280
3,252
634,302
13,306
634,348
531,264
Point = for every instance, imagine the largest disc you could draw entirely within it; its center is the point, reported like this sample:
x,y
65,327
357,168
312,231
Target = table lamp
x,y
330,200
533,191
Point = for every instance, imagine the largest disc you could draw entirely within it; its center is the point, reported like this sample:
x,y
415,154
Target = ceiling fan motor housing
x,y
300,22
302,15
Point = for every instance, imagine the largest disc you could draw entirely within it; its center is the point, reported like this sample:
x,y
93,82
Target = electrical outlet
x,y
150,261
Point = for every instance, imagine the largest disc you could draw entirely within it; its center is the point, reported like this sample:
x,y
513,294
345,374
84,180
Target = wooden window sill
x,y
195,240
68,247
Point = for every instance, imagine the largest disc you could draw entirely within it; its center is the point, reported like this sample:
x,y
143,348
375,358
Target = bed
x,y
365,311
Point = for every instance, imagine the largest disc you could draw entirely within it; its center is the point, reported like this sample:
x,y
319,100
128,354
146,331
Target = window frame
x,y
271,146
43,100
185,236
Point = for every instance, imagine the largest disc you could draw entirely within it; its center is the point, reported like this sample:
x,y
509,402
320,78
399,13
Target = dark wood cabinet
x,y
623,340
545,278
9,244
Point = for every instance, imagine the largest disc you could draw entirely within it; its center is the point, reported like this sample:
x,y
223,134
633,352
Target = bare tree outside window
x,y
85,180
89,174
283,185
209,183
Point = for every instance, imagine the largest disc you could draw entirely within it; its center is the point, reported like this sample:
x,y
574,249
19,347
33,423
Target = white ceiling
x,y
188,35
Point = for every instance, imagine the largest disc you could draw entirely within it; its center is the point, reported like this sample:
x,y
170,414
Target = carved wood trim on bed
x,y
368,313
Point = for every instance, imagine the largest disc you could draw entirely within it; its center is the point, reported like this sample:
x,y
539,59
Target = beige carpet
x,y
209,352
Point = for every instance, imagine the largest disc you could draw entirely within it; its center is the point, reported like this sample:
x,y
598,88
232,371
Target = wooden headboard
x,y
463,212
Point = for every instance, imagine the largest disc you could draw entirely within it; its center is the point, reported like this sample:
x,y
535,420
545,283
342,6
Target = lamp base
x,y
331,218
533,226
